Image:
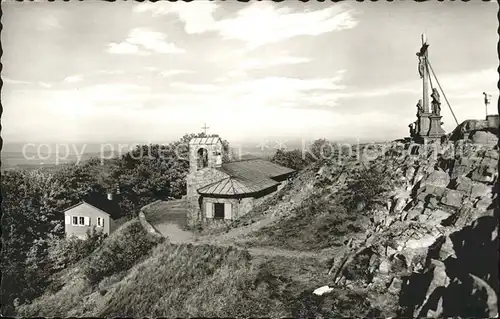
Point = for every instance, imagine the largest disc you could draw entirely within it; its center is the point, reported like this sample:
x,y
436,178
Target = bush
x,y
367,188
291,159
120,252
68,251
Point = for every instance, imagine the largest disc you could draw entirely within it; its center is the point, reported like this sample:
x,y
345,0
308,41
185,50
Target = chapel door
x,y
219,211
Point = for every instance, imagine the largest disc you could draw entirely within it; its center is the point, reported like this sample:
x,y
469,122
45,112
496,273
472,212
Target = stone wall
x,y
211,221
194,181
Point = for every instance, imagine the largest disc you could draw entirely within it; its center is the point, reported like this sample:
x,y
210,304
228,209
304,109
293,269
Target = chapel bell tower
x,y
205,152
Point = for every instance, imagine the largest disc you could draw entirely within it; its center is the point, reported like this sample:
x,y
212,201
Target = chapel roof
x,y
252,168
204,140
245,178
232,186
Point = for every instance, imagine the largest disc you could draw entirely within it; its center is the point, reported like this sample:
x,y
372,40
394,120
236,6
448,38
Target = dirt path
x,y
174,233
168,218
178,236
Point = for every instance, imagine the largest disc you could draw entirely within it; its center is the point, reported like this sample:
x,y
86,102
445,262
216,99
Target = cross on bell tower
x,y
205,128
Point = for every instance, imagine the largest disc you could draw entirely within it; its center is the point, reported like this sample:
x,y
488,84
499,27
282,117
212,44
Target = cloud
x,y
274,24
197,87
241,69
287,92
73,79
7,80
125,48
269,92
45,84
48,22
142,41
110,72
169,73
251,64
197,15
454,85
278,24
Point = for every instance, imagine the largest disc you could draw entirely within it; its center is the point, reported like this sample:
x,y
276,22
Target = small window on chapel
x,y
202,159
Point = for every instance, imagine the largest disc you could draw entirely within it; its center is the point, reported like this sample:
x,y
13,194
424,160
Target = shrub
x,y
367,188
291,159
120,251
68,251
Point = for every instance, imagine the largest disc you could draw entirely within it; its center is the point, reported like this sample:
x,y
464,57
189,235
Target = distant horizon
x,y
152,71
145,141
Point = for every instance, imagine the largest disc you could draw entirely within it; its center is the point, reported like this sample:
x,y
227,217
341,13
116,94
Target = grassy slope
x,y
70,288
324,217
154,279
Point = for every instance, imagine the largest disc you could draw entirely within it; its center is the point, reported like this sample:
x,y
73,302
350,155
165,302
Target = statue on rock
x,y
420,108
436,102
413,131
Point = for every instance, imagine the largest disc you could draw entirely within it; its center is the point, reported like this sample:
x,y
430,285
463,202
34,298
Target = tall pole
x,y
425,77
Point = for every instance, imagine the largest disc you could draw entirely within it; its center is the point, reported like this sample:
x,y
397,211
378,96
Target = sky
x,y
127,71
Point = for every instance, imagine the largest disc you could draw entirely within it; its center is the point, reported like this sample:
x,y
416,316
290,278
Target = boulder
x,y
438,178
422,218
395,286
384,267
452,198
484,173
484,203
480,190
442,249
379,217
410,173
322,290
463,184
483,137
424,242
436,191
390,251
493,154
413,213
436,216
468,127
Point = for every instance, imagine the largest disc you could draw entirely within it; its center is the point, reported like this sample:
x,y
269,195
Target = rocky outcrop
x,y
479,131
434,248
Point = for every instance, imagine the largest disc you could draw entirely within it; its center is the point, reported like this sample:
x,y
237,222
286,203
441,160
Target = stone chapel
x,y
218,192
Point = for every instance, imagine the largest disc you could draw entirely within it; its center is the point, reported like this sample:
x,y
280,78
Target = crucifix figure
x,y
205,128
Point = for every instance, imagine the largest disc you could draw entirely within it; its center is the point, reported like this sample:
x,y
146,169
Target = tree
x,y
320,150
292,159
